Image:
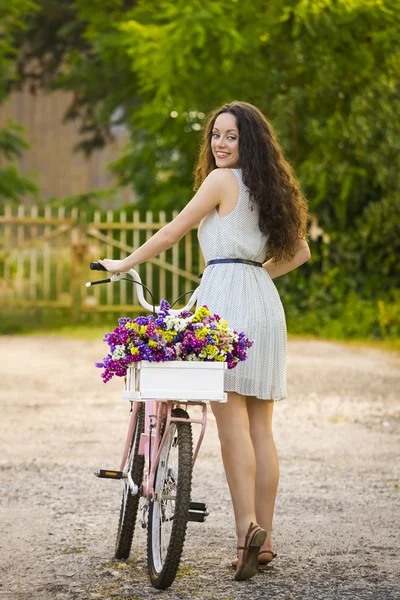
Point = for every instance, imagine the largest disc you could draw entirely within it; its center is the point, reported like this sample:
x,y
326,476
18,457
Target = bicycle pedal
x,y
103,474
200,506
198,517
197,512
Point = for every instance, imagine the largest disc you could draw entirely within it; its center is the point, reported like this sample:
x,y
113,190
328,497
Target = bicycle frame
x,y
157,413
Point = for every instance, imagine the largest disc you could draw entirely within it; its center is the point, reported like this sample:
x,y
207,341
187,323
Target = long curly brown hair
x,y
273,186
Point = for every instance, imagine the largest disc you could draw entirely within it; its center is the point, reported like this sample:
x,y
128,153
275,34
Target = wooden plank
x,y
109,253
128,309
19,279
8,244
128,225
163,280
17,303
122,219
149,266
60,257
175,264
33,258
136,244
75,280
96,288
47,258
36,220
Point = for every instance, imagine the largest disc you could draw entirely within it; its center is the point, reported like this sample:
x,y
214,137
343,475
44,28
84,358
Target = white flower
x,y
192,357
173,322
119,352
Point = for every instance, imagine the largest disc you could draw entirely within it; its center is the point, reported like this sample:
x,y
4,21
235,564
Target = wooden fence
x,y
45,254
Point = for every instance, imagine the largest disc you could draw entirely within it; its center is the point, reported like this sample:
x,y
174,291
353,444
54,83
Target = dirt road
x,y
336,529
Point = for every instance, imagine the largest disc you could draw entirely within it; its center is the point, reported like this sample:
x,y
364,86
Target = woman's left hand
x,y
114,266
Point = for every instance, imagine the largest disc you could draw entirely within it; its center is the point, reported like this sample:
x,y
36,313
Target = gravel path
x,y
336,527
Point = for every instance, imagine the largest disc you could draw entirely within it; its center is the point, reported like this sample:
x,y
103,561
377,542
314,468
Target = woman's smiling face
x,y
225,141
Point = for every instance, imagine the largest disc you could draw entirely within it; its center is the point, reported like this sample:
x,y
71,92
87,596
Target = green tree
x,y
326,73
13,186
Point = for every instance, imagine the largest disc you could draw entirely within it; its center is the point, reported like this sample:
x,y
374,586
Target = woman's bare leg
x,y
267,465
238,458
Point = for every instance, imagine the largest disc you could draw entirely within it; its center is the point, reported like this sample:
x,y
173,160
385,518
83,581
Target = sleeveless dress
x,y
245,296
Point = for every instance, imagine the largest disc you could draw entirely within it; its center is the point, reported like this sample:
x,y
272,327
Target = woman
x,y
249,207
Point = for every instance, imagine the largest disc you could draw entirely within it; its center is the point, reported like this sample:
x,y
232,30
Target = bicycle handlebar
x,y
95,266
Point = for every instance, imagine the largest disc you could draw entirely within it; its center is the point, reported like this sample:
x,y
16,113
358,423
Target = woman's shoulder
x,y
222,176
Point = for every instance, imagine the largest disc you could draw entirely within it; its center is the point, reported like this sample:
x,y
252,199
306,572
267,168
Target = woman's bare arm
x,y
302,255
205,200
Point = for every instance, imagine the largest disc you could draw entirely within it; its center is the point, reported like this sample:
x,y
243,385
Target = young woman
x,y
250,208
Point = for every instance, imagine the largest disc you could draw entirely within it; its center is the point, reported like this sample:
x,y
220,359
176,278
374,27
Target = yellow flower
x,y
201,333
134,351
134,326
200,314
169,335
211,350
222,325
152,344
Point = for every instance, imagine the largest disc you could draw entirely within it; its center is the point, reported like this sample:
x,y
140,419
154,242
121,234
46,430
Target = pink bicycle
x,y
158,458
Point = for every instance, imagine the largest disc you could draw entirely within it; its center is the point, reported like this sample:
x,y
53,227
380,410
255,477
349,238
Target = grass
x,y
76,332
68,550
186,571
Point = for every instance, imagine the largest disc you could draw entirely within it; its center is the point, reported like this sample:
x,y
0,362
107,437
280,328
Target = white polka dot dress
x,y
246,297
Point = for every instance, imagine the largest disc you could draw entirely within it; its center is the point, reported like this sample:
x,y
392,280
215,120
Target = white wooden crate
x,y
175,380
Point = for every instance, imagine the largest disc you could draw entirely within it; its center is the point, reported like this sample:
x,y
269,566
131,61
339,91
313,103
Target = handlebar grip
x,y
90,283
95,266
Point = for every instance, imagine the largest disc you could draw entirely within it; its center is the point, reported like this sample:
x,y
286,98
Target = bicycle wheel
x,y
168,514
130,504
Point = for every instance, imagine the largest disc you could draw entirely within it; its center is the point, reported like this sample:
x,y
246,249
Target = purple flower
x,y
142,320
185,314
164,306
124,320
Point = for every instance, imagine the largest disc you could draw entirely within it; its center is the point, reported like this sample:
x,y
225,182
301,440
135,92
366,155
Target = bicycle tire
x,y
129,503
162,569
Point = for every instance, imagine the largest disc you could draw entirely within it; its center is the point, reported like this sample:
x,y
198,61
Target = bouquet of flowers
x,y
186,336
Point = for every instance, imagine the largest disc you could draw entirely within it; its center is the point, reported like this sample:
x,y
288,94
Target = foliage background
x,y
325,72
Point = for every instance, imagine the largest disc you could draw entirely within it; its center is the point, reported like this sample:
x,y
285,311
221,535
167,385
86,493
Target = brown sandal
x,y
254,539
261,563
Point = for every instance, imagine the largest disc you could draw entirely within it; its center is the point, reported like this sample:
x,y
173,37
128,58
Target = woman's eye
x,y
230,137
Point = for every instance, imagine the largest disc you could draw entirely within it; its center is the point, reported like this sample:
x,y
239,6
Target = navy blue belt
x,y
244,261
